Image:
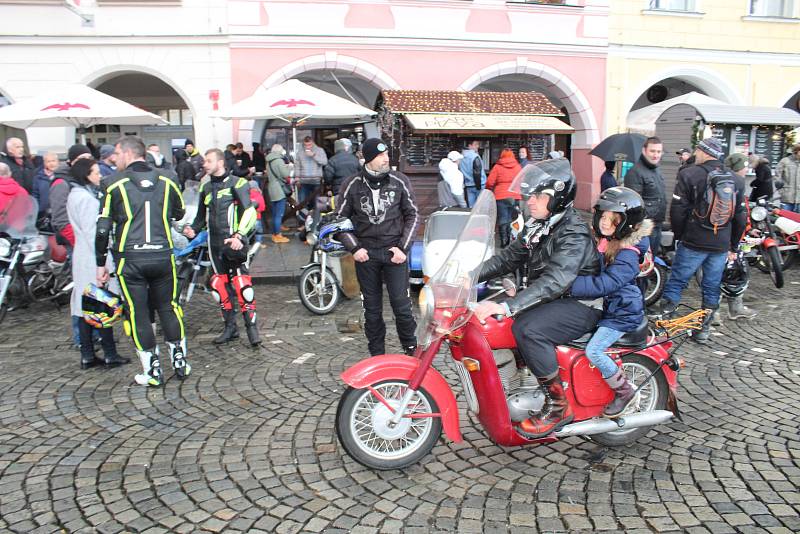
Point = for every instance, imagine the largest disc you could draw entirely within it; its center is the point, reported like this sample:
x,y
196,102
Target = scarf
x,y
535,229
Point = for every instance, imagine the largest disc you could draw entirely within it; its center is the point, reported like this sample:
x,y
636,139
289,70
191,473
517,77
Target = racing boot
x,y
251,327
231,332
556,411
737,309
177,354
623,394
701,336
151,374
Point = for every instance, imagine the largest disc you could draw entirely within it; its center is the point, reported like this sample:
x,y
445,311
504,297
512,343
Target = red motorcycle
x,y
788,225
396,406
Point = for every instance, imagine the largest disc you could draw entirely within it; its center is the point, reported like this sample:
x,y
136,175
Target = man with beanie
x,y
341,166
21,167
195,158
108,161
700,245
59,191
382,207
645,178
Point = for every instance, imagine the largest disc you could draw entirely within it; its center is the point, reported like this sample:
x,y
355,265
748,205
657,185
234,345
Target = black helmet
x,y
624,201
735,277
553,177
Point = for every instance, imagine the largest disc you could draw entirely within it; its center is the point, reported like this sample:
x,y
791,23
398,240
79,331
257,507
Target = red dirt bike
x,y
787,224
395,407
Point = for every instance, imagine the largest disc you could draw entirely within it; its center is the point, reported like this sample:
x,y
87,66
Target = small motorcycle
x,y
761,242
395,406
51,279
21,249
787,224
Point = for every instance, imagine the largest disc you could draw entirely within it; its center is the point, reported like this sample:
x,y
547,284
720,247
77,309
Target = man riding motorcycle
x,y
557,246
226,209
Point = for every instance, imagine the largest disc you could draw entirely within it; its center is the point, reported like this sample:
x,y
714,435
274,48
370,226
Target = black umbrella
x,y
620,146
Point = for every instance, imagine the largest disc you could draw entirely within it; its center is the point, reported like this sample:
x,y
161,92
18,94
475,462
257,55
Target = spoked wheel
x,y
317,295
653,396
655,284
365,431
770,262
40,285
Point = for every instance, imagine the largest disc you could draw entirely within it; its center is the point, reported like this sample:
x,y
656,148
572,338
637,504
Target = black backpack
x,y
715,208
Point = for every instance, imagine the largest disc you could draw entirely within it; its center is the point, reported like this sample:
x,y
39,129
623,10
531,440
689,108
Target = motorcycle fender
x,y
400,367
769,243
307,265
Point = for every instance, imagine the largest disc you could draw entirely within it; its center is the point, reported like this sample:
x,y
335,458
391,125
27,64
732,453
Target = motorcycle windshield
x,y
18,217
191,198
447,298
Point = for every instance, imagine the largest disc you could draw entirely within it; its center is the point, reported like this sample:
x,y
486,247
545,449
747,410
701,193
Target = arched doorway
x,y
152,94
664,90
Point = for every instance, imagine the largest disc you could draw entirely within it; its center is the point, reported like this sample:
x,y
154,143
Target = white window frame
x,y
652,5
791,15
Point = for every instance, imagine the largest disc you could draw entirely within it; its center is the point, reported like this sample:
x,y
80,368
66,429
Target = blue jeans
x,y
506,211
790,207
603,338
278,208
259,231
472,195
685,264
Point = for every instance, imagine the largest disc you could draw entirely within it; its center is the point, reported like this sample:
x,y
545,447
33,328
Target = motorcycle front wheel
x,y
653,396
770,262
364,430
318,296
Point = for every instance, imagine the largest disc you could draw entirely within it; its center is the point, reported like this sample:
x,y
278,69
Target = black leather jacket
x,y
553,264
225,208
646,179
140,201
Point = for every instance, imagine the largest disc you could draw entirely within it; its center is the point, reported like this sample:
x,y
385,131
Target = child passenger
x,y
621,229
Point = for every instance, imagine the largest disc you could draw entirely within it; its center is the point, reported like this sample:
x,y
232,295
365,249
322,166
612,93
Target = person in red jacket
x,y
11,196
503,173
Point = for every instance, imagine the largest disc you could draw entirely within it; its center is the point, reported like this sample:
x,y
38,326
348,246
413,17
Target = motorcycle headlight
x,y
34,244
5,247
759,213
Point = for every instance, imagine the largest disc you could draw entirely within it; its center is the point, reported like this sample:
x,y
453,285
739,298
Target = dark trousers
x,y
538,331
87,335
372,274
655,239
148,282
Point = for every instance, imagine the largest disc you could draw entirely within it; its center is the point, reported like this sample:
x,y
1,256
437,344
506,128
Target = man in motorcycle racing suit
x,y
139,201
226,209
557,246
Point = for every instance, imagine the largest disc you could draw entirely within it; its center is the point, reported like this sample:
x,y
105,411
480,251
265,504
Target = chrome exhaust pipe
x,y
601,426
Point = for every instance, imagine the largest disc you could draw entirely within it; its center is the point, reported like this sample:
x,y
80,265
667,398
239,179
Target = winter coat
x,y
452,175
10,189
762,185
105,168
197,164
503,173
444,195
646,179
788,171
83,205
22,173
183,168
41,191
151,160
623,307
340,167
59,192
559,257
309,168
607,180
383,210
277,173
232,167
471,165
689,191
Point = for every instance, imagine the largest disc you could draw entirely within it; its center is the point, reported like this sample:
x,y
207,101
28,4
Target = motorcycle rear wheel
x,y
361,425
318,297
652,396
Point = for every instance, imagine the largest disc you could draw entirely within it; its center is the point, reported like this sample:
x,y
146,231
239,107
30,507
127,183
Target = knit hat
x,y
736,162
76,150
106,151
372,147
187,143
455,156
711,146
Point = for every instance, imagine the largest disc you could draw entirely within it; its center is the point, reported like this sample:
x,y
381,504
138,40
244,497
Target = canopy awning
x,y
487,123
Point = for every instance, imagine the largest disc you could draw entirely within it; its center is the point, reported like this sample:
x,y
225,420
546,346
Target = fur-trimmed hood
x,y
644,230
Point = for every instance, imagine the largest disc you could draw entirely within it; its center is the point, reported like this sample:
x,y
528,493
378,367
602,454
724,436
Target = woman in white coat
x,y
83,205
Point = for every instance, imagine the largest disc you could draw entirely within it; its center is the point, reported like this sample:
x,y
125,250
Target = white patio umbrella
x,y
75,105
295,103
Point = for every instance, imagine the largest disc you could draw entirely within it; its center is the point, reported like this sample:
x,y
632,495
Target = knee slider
x,y
218,289
244,286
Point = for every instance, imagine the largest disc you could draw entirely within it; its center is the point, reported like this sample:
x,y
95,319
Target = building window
x,y
673,5
772,8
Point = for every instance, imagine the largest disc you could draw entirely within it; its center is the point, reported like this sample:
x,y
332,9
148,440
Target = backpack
x,y
716,207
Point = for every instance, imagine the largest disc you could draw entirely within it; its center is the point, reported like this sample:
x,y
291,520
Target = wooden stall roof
x,y
414,101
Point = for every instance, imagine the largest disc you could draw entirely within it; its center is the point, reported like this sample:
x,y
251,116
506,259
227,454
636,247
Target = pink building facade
x,y
365,47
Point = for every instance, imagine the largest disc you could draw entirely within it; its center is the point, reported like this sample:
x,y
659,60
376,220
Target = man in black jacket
x,y
21,167
341,166
382,207
700,245
557,247
645,178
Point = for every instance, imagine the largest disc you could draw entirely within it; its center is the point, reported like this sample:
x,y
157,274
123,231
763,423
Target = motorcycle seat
x,y
636,338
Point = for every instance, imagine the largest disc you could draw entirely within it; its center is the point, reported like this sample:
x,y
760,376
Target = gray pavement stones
x,y
247,443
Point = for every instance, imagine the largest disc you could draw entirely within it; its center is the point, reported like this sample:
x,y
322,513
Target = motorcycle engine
x,y
524,395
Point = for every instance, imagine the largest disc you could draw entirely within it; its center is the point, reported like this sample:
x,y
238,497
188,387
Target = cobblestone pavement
x,y
247,443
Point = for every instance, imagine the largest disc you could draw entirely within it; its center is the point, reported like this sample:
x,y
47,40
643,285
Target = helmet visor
x,y
550,177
